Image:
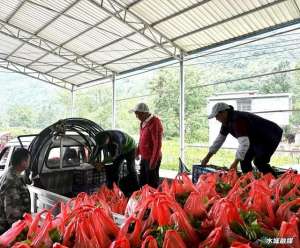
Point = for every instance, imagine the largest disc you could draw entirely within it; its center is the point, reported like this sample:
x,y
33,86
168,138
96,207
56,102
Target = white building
x,y
269,106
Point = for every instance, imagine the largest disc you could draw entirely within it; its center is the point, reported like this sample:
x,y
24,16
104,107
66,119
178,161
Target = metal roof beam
x,y
85,31
139,26
56,17
117,40
152,25
98,48
236,39
8,19
50,47
229,19
78,73
15,11
246,36
97,24
297,6
46,25
61,45
12,52
75,74
133,3
128,55
180,12
101,80
14,67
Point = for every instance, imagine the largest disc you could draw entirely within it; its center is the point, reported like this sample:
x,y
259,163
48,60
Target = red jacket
x,y
150,141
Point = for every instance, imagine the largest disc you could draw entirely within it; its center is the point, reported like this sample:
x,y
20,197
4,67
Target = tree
x,y
165,88
278,83
47,115
196,106
95,104
295,119
21,116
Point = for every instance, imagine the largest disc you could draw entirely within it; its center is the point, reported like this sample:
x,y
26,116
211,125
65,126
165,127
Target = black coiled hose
x,y
87,129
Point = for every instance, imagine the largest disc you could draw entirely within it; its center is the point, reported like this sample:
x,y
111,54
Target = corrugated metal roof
x,y
26,53
25,19
74,42
7,8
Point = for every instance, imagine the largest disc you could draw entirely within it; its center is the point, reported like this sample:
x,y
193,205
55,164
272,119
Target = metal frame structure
x,y
73,101
76,43
182,108
114,101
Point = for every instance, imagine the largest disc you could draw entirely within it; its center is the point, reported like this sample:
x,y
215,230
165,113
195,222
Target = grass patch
x,y
224,157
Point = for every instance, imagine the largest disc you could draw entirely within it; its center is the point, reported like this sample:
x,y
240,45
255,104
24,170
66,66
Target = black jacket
x,y
256,128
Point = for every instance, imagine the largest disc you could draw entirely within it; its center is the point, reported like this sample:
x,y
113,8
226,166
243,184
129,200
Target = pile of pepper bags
x,y
220,210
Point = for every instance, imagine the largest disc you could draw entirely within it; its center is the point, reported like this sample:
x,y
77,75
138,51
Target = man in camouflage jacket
x,y
14,195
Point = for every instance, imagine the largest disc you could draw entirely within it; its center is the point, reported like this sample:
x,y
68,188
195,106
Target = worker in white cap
x,y
149,146
258,138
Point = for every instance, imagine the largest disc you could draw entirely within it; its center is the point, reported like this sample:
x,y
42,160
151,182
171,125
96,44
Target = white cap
x,y
218,107
141,107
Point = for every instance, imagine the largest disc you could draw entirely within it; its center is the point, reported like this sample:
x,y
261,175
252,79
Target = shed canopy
x,y
71,43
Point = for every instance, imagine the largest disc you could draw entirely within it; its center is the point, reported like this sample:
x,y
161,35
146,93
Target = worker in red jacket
x,y
149,147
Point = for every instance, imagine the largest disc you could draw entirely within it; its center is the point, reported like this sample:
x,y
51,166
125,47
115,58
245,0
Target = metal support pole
x,y
113,101
61,152
182,107
73,101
